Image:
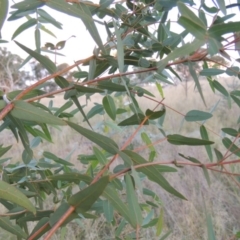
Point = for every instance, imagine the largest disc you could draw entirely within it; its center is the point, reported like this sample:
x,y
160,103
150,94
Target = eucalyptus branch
x,y
182,163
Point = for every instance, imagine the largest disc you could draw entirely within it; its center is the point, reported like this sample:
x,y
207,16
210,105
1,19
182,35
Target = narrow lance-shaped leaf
x,y
3,13
46,62
184,50
108,211
3,150
221,4
204,136
191,22
196,80
159,226
84,199
56,159
153,173
112,196
230,131
177,139
30,23
75,100
148,141
7,225
220,29
27,111
135,119
120,50
38,40
196,115
106,143
231,146
155,115
134,208
109,106
12,194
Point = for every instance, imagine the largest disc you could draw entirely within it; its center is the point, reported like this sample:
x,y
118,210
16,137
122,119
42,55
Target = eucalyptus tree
x,y
147,40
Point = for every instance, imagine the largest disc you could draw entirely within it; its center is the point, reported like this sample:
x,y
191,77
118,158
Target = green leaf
x,y
27,111
218,155
84,199
184,50
236,93
134,208
120,48
81,74
148,141
229,131
221,5
98,109
210,229
37,40
70,177
196,80
49,18
108,211
30,23
105,3
27,5
87,89
104,142
79,10
12,194
159,226
211,72
7,225
79,106
135,119
191,22
220,88
108,85
205,172
3,150
218,30
153,173
231,146
46,62
204,136
60,211
115,200
100,156
65,106
195,115
142,62
56,159
160,90
177,139
3,13
236,100
109,106
165,236
155,115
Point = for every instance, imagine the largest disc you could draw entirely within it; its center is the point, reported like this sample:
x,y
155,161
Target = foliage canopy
x,y
146,41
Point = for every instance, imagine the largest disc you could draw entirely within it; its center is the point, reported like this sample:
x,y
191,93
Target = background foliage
x,y
136,162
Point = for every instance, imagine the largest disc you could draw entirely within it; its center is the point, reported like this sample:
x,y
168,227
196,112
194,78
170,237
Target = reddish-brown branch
x,y
60,222
209,166
41,229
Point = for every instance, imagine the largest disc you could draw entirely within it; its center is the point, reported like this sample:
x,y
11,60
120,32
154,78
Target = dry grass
x,y
186,219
